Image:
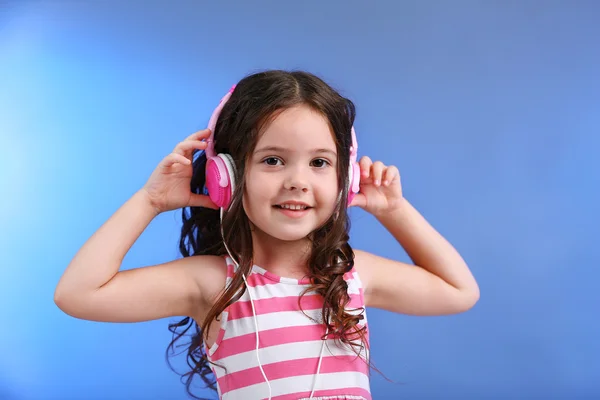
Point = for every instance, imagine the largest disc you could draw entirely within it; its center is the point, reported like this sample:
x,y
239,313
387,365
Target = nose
x,y
296,180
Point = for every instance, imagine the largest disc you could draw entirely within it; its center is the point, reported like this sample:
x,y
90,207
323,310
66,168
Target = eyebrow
x,y
278,149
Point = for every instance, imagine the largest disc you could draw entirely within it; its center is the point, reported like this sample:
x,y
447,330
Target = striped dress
x,y
290,344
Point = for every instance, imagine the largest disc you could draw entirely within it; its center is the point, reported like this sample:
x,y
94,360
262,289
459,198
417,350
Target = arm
x,y
92,287
440,282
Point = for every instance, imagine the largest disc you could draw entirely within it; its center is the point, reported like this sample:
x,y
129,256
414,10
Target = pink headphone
x,y
220,168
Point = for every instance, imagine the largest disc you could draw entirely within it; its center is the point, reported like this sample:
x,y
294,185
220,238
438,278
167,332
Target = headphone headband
x,y
212,122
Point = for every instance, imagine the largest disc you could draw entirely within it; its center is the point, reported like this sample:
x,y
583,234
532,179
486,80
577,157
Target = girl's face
x,y
291,177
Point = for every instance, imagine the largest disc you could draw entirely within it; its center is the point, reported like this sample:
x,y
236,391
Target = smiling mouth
x,y
292,207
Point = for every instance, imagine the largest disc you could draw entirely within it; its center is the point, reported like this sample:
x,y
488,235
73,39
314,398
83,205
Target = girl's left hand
x,y
380,189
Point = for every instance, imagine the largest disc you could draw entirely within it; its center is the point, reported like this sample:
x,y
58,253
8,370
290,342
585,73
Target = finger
x,y
200,200
390,174
365,166
377,172
175,158
359,200
201,134
186,147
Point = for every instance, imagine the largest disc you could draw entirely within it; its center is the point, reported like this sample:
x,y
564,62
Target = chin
x,y
292,236
285,235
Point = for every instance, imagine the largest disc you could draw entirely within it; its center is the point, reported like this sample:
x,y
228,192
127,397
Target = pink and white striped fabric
x,y
290,344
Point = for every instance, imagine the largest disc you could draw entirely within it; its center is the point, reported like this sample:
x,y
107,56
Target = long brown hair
x,y
256,100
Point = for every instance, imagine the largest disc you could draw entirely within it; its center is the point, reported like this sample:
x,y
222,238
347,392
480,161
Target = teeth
x,y
293,207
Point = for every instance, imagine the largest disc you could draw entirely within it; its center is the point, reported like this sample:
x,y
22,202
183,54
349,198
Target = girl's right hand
x,y
168,188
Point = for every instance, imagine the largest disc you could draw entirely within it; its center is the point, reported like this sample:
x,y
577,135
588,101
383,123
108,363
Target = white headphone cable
x,y
253,309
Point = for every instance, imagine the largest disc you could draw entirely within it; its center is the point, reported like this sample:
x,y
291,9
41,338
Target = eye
x,y
272,161
321,162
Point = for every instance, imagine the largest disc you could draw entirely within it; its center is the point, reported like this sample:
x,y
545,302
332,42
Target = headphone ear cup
x,y
220,179
353,181
230,166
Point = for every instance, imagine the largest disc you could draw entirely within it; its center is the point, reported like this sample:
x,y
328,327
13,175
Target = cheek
x,y
329,189
256,190
250,204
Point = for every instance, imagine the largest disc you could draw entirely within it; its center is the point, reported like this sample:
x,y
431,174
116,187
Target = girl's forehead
x,y
297,126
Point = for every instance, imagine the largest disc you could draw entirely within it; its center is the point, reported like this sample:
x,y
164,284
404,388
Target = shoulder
x,y
362,259
380,275
208,272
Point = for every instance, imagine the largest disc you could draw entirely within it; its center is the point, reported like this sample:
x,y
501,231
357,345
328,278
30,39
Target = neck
x,y
283,258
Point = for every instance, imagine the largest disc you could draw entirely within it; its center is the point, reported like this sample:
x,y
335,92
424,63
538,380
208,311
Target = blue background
x,y
490,109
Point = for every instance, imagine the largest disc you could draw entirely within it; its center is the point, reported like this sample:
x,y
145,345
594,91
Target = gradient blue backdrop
x,y
490,109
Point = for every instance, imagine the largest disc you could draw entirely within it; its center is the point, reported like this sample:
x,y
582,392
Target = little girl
x,y
268,278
